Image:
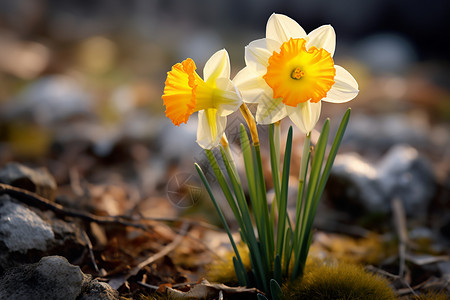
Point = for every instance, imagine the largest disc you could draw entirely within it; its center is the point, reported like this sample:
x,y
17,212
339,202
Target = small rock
x,y
353,185
53,277
376,134
38,181
21,228
406,174
49,100
26,235
356,184
96,290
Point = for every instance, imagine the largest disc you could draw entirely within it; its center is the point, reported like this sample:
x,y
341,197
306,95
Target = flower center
x,y
297,73
315,68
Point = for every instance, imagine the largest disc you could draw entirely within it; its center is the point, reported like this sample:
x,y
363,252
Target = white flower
x,y
289,73
214,98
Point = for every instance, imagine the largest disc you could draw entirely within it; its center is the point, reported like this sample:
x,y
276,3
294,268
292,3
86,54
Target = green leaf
x,y
224,186
261,297
307,217
221,216
240,273
333,151
274,163
277,273
275,290
247,228
267,232
324,178
288,245
282,213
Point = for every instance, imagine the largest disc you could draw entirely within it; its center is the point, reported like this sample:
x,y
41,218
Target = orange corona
x,y
298,75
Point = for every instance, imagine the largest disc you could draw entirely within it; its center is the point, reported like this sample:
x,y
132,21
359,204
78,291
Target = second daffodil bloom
x,y
289,73
214,98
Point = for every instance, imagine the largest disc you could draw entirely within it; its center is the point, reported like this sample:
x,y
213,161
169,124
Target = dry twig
x,y
35,200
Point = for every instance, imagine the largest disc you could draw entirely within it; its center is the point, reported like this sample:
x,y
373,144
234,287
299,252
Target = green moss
x,y
338,281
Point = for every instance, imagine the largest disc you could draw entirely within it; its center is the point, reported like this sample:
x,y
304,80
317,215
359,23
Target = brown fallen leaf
x,y
207,290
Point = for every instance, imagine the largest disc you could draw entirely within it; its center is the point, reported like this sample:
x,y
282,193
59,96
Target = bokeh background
x,y
81,84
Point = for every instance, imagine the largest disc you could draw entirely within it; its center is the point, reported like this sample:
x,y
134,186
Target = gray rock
x,y
376,134
383,53
356,184
22,229
39,180
353,185
98,291
406,174
49,100
53,277
26,235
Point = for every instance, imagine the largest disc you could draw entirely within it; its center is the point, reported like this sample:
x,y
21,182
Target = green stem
x,y
222,218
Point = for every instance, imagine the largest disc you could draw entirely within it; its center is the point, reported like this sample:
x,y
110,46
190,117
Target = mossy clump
x,y
338,281
431,295
222,270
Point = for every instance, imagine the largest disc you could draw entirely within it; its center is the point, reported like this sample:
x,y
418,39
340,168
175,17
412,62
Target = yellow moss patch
x,y
368,250
432,296
222,270
338,281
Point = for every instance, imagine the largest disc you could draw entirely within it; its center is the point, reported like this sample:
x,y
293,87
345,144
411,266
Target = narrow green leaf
x,y
277,273
324,178
224,186
247,228
306,154
316,167
288,247
261,297
275,290
267,239
248,153
274,163
240,273
221,216
333,151
282,213
248,162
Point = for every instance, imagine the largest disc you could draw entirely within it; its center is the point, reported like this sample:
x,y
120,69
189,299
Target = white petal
x,y
281,28
217,66
270,110
257,54
322,37
251,85
230,99
305,115
205,139
344,89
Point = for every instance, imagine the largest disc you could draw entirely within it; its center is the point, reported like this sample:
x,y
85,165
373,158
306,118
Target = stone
x,y
96,290
21,228
377,134
28,234
53,277
353,185
38,181
406,174
356,184
50,100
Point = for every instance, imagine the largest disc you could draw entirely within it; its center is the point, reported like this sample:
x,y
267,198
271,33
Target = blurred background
x,y
81,85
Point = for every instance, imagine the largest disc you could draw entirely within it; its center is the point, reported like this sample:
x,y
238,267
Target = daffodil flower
x,y
214,98
289,73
